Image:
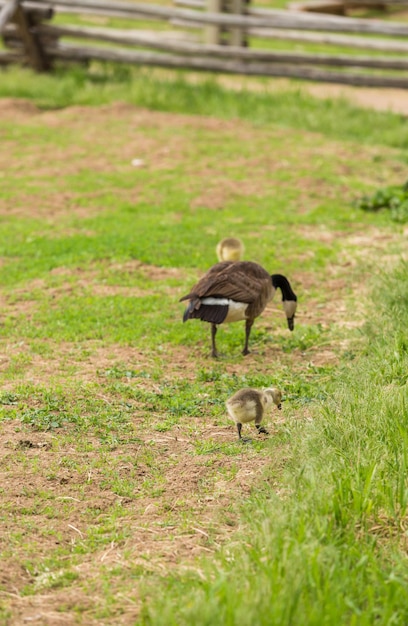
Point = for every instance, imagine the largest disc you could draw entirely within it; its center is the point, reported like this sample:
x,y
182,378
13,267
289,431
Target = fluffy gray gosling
x,y
248,405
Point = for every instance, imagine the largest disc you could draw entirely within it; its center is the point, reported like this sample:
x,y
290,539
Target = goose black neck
x,y
281,282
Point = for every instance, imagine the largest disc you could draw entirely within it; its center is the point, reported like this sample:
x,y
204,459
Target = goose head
x,y
289,298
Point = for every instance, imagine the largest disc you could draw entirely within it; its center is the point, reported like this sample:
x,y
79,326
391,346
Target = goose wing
x,y
236,281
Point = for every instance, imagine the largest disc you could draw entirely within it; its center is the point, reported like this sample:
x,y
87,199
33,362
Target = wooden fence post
x,y
213,32
12,11
219,35
32,44
237,36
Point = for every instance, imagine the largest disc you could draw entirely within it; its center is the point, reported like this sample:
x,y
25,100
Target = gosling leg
x,y
248,326
214,352
240,438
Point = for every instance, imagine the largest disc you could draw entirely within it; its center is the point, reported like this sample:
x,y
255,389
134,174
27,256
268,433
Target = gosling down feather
x,y
248,405
230,249
234,291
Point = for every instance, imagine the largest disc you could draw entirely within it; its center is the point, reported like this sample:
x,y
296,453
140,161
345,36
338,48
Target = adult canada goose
x,y
230,249
233,291
248,405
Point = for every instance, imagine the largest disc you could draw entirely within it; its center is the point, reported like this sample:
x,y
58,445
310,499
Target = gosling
x,y
230,249
247,405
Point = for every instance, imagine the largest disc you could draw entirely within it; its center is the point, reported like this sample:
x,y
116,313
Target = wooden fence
x,y
222,41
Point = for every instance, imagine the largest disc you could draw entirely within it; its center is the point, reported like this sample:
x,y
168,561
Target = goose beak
x,y
291,322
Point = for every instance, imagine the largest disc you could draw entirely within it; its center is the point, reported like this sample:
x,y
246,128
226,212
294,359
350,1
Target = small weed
x,y
43,419
8,398
394,198
54,580
306,338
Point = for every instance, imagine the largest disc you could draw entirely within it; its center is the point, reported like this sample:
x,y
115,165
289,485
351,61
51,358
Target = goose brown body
x,y
233,291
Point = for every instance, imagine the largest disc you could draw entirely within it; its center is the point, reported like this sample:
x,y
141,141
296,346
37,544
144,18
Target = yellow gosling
x,y
249,405
230,249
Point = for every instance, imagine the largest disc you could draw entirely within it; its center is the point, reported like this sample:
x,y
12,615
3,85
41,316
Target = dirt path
x,y
395,100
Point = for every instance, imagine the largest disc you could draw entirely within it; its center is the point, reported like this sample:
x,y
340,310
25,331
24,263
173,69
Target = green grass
x,y
291,109
331,549
97,366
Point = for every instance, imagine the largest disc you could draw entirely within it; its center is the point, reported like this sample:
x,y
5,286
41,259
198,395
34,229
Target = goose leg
x,y
248,326
214,352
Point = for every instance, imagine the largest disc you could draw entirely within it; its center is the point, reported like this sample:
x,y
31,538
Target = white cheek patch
x,y
289,306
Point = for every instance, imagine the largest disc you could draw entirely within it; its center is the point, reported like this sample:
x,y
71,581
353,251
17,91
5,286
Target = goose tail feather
x,y
212,313
191,309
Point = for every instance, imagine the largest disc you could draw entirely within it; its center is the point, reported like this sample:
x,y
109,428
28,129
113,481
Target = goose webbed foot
x,y
246,352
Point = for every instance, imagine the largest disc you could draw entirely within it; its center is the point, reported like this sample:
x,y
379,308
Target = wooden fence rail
x,y
31,36
273,18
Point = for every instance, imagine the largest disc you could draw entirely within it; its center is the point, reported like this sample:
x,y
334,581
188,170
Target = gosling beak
x,y
291,322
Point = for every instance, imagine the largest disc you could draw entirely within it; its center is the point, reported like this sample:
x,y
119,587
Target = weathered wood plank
x,y
8,58
347,41
82,53
199,4
191,4
45,12
6,13
271,18
334,7
134,37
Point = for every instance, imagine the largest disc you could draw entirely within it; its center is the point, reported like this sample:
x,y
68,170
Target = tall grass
x,y
176,92
330,548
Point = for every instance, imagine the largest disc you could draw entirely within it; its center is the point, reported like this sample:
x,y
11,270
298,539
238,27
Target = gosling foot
x,y
262,430
245,440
